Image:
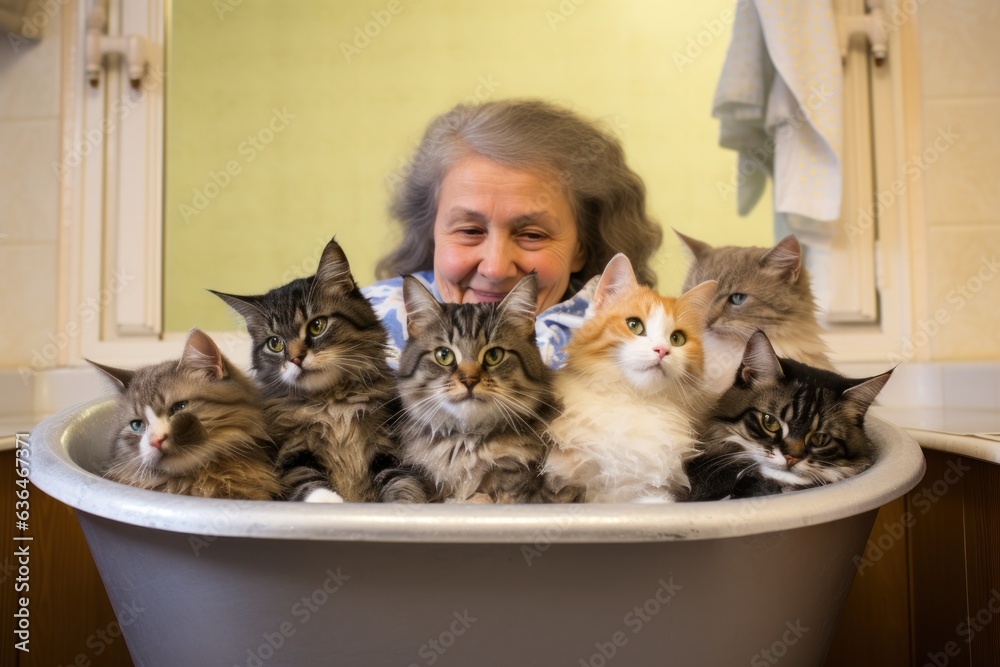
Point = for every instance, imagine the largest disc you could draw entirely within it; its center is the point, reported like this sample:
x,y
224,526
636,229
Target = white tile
x,y
959,49
29,186
28,337
29,74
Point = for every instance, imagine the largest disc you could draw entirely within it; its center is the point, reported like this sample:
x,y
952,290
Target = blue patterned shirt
x,y
553,327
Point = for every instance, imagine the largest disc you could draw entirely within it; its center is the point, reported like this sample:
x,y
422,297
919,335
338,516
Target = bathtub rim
x,y
899,468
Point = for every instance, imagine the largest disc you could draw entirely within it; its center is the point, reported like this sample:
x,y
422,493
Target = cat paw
x,y
324,496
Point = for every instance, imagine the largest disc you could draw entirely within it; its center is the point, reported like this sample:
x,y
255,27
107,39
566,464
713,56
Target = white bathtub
x,y
211,582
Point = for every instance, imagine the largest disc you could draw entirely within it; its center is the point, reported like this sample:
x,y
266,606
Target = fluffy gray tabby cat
x,y
319,356
476,398
192,427
759,288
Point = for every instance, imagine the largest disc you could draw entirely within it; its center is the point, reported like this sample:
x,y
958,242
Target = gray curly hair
x,y
585,162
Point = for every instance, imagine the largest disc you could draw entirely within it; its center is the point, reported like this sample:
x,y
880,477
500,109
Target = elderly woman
x,y
497,190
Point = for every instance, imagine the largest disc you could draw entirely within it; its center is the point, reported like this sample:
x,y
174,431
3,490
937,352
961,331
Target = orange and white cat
x,y
632,392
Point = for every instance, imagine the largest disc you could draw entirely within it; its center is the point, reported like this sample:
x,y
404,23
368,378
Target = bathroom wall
x,y
29,189
957,232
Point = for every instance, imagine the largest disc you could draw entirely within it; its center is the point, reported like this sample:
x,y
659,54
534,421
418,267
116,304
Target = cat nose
x,y
157,441
297,361
791,460
661,350
469,381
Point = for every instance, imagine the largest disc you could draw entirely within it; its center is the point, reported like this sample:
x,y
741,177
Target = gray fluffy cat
x,y
319,355
759,288
782,426
192,427
476,398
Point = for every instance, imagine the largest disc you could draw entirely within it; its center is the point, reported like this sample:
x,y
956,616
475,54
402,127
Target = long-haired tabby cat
x,y
632,391
759,288
476,398
192,427
319,356
782,426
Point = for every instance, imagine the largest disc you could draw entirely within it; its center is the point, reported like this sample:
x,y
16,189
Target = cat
x,y
631,391
192,427
782,426
319,357
476,399
759,288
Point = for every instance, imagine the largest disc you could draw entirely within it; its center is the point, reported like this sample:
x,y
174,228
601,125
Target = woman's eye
x,y
737,299
178,406
275,344
317,326
444,356
137,425
678,338
494,356
770,423
636,326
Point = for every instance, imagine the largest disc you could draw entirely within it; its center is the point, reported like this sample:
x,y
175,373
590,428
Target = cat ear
x,y
700,297
121,377
863,395
618,277
786,258
760,364
202,354
698,248
334,271
246,306
420,305
522,301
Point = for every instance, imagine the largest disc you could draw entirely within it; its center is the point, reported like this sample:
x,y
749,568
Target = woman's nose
x,y
499,260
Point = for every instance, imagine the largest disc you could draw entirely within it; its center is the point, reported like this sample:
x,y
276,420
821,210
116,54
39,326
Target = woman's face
x,y
495,224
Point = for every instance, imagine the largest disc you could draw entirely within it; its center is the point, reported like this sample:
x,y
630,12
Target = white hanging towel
x,y
779,100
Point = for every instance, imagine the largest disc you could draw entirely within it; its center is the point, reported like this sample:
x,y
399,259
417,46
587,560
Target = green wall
x,y
286,123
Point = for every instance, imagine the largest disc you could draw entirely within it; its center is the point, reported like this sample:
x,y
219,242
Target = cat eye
x,y
818,441
177,407
444,356
737,298
769,423
317,326
275,344
137,425
636,326
678,338
494,356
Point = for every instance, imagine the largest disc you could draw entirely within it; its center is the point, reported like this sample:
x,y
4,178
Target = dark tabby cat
x,y
782,426
319,357
192,427
759,288
476,398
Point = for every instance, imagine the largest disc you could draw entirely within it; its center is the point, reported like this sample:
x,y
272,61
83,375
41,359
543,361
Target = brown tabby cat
x,y
192,427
